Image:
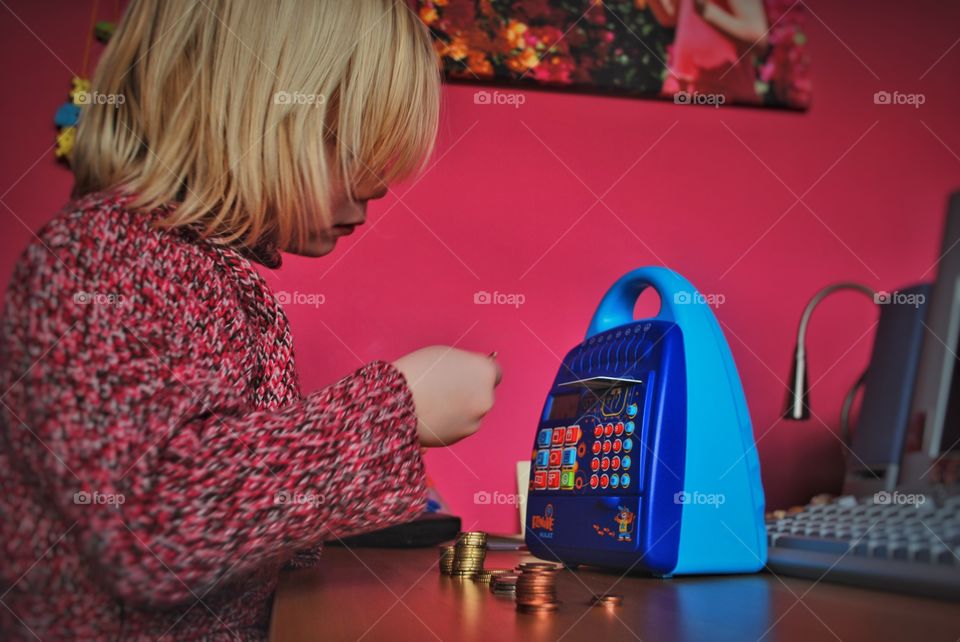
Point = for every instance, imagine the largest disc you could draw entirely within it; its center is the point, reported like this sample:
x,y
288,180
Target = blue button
x,y
543,439
614,481
629,427
625,462
632,410
569,456
543,458
627,445
624,480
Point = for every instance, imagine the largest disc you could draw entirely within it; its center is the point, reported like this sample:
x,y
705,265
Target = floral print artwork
x,y
719,52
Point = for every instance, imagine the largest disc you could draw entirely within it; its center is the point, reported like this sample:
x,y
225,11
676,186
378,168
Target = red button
x,y
597,430
617,445
606,446
608,430
594,463
604,481
553,479
594,481
619,428
558,434
540,479
615,462
579,482
596,447
573,434
556,456
605,464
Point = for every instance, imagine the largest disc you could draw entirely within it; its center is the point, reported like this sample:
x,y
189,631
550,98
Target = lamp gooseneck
x,y
797,406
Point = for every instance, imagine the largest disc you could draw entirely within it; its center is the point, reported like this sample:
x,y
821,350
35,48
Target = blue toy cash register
x,y
644,456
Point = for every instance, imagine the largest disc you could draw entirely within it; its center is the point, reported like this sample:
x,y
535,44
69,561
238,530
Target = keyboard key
x,y
816,544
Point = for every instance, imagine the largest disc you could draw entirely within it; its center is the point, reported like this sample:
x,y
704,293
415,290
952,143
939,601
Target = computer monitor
x,y
935,416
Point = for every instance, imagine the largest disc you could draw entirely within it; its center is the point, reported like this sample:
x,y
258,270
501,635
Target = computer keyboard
x,y
899,542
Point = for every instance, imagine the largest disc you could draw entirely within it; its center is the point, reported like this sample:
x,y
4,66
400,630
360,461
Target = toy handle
x,y
616,306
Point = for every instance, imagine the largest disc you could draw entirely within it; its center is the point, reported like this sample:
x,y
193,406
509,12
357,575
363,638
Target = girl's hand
x,y
452,391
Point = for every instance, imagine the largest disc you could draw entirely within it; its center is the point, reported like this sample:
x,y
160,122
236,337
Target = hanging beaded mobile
x,y
68,114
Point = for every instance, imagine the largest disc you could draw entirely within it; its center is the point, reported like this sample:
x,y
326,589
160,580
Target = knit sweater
x,y
158,462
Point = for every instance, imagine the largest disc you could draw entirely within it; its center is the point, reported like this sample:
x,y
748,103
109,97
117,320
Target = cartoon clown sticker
x,y
624,519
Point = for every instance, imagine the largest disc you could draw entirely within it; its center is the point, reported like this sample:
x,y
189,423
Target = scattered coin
x,y
607,599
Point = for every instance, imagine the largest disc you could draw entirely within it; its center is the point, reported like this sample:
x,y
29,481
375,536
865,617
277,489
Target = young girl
x,y
159,464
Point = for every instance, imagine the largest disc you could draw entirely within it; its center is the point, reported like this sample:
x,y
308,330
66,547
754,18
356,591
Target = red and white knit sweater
x,y
158,462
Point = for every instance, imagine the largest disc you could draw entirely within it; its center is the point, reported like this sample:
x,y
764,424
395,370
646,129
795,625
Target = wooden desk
x,y
380,594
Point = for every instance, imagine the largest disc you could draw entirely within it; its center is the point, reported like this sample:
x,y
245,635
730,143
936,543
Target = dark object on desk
x,y
427,530
893,542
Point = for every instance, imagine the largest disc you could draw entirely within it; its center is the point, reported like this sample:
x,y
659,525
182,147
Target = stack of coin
x,y
486,576
469,553
504,584
536,587
446,559
606,599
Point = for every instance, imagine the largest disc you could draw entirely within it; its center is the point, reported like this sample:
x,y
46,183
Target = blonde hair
x,y
244,112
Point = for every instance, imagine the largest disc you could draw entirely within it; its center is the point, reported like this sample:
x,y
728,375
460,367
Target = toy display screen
x,y
565,406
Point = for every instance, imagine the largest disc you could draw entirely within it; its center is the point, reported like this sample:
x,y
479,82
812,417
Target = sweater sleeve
x,y
173,484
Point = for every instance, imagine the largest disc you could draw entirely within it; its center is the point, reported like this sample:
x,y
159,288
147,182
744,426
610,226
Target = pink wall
x,y
509,207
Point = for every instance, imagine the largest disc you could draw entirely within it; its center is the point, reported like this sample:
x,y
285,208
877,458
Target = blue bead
x,y
68,115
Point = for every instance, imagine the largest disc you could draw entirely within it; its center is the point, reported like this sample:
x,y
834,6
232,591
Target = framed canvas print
x,y
713,52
